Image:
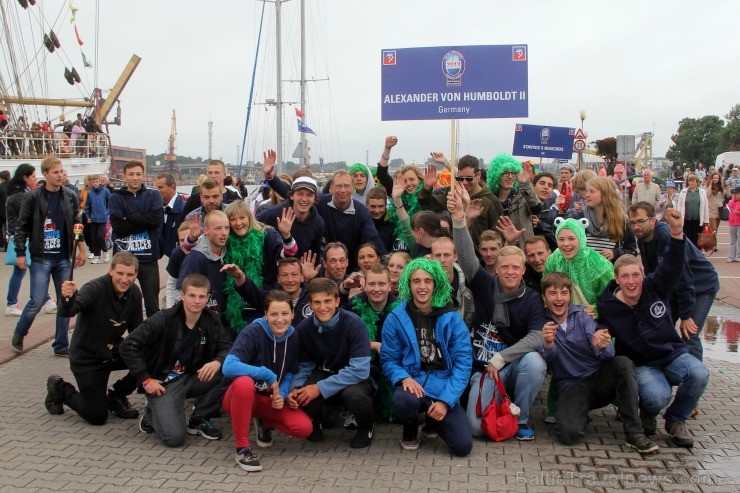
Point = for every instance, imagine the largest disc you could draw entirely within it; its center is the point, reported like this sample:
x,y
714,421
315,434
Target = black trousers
x,y
91,401
149,281
357,398
692,228
615,379
97,238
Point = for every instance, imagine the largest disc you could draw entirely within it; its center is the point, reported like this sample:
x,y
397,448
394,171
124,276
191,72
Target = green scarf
x,y
411,204
246,252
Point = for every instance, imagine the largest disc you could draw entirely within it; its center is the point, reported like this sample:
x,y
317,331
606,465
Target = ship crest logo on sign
x,y
389,57
545,135
519,53
453,67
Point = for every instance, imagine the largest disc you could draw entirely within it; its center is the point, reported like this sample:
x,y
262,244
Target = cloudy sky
x,y
633,66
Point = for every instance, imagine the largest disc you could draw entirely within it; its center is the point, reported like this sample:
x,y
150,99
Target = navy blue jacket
x,y
135,219
697,277
308,234
168,226
646,333
255,296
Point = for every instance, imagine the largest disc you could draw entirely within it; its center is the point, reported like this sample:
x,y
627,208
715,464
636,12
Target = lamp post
x,y
582,116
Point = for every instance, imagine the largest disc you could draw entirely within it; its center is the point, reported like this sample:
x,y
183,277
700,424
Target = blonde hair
x,y
582,178
614,213
201,179
413,168
625,260
241,207
512,250
48,163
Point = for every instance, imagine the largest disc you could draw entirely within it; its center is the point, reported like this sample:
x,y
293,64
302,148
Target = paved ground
x,y
62,453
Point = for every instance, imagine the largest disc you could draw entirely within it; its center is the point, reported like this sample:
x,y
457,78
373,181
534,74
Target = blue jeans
x,y
701,309
654,386
14,286
41,270
524,376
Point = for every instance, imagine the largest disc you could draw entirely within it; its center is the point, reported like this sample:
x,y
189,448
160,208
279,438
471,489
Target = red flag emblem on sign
x,y
571,131
518,128
389,57
519,53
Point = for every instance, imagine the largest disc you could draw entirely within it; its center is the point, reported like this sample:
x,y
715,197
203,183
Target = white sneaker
x,y
90,255
106,257
13,311
95,260
50,307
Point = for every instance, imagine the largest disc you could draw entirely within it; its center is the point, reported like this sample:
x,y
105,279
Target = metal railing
x,y
36,144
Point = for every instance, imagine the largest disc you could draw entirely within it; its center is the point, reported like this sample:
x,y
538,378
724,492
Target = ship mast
x,y
304,153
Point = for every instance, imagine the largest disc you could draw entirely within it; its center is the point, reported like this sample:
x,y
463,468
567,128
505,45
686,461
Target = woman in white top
x,y
693,206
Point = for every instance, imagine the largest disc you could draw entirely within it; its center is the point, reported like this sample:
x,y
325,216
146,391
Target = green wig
x,y
589,270
499,164
357,167
442,288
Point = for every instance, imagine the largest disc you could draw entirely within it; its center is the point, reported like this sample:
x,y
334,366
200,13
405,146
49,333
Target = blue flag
x,y
302,127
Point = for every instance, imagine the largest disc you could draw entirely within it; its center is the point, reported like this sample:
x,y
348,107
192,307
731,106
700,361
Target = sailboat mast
x,y
306,160
11,51
279,96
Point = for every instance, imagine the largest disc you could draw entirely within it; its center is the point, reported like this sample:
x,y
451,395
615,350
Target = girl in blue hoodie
x,y
261,364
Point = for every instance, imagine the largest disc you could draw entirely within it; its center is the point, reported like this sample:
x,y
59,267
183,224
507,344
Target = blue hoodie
x,y
267,359
400,357
646,333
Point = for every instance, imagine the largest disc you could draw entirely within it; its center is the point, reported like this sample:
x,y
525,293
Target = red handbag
x,y
706,240
497,422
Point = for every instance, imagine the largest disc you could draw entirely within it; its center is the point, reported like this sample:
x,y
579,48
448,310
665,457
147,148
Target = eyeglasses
x,y
508,174
631,224
465,178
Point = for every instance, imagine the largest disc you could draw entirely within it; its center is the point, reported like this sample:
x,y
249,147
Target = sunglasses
x,y
465,178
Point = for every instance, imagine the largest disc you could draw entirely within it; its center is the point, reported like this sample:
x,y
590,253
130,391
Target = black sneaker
x,y
204,428
410,438
120,406
63,353
679,433
264,435
17,343
144,425
316,435
248,461
429,431
641,443
362,438
54,398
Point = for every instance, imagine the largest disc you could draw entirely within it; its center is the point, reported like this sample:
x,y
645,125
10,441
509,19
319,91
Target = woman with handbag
x,y
694,207
23,180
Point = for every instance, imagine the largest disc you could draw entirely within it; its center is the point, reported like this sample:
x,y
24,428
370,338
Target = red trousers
x,y
243,402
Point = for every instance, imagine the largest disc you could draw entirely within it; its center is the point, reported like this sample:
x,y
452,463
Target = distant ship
x,y
36,62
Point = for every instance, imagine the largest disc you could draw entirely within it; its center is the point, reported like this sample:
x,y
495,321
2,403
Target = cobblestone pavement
x,y
62,453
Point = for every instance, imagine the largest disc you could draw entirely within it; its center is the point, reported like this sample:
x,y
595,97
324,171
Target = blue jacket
x,y
96,204
573,356
267,359
697,277
169,225
135,220
399,354
646,333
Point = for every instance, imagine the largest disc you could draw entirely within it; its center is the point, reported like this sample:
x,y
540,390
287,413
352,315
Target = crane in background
x,y
170,158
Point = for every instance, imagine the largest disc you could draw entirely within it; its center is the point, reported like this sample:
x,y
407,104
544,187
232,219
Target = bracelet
x,y
678,234
146,382
388,148
399,206
287,240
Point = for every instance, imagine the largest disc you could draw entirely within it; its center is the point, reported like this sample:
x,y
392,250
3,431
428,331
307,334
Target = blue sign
x,y
542,141
447,82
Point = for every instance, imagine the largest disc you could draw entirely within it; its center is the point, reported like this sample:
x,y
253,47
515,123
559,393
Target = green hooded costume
x,y
589,271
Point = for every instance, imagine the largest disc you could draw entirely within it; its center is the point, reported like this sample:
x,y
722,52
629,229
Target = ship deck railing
x,y
37,144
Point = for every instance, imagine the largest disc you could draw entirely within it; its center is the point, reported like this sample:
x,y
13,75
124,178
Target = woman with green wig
x,y
511,183
255,248
588,269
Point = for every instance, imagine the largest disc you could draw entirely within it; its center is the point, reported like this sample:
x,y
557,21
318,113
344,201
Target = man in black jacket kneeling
x,y
175,355
106,308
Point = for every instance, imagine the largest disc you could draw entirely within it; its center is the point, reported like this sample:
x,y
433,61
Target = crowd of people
x,y
388,296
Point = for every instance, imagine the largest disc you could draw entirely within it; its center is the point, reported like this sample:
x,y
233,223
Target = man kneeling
x,y
426,354
587,375
176,354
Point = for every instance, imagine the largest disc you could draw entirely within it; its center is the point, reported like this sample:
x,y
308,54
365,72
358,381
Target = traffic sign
x,y
579,145
580,134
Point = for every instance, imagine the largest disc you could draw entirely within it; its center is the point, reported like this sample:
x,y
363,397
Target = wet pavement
x,y
62,453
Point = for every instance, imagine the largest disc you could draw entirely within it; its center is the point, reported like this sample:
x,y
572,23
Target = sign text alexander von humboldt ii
x,y
446,82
